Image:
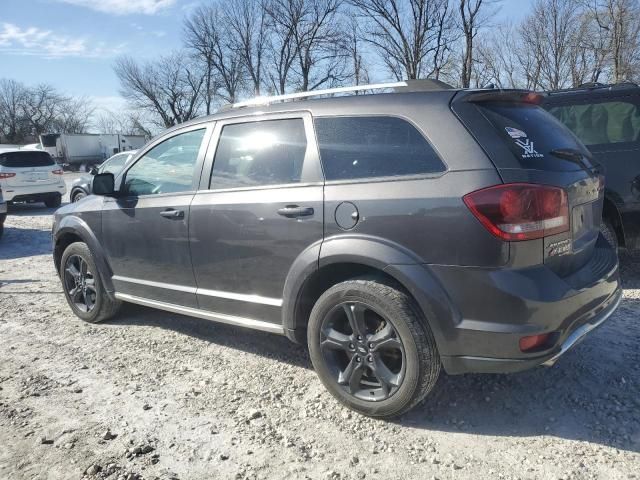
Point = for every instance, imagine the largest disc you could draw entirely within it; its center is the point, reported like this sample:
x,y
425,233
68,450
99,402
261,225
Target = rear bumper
x,y
33,192
497,307
467,364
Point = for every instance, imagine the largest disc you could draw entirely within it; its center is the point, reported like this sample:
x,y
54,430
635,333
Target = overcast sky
x,y
71,44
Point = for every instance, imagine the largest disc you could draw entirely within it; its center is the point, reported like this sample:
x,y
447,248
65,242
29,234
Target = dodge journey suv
x,y
396,234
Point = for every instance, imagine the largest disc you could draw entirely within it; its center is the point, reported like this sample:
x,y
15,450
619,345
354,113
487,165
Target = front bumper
x,y
32,191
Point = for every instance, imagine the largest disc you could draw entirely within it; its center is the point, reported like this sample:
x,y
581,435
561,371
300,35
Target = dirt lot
x,y
157,395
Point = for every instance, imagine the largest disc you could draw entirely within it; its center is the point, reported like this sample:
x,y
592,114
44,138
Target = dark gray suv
x,y
397,234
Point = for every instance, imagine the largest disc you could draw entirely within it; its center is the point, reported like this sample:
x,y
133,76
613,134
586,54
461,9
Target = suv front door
x,y
259,207
145,228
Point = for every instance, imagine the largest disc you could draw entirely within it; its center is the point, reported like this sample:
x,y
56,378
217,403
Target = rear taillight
x,y
6,175
520,211
58,171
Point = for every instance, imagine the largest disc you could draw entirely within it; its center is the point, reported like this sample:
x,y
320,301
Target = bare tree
x,y
317,41
359,71
169,88
619,20
472,18
74,115
41,107
12,99
248,24
208,37
281,49
124,123
412,37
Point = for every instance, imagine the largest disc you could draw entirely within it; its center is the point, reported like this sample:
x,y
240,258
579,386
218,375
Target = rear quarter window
x,y
25,159
531,134
601,123
370,147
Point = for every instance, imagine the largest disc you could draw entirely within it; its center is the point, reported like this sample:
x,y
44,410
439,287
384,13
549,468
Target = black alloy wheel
x,y
363,351
79,282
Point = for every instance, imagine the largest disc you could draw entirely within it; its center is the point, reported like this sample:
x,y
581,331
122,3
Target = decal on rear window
x,y
515,133
528,150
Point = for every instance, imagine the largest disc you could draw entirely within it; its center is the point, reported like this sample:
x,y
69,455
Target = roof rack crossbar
x,y
257,101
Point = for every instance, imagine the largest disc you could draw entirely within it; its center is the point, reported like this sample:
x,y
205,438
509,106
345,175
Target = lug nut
x,y
371,345
351,347
369,358
359,338
358,359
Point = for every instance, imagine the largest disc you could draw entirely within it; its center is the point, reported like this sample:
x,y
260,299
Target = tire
x,y
79,195
411,340
103,307
609,233
53,201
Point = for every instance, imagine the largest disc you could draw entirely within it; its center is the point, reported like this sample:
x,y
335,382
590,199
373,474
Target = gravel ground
x,y
157,395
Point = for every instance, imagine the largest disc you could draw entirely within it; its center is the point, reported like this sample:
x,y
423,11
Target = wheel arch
x,y
343,258
73,229
611,213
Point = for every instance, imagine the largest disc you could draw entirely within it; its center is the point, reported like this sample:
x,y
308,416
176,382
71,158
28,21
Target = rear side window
x,y
26,159
532,134
601,123
269,152
369,147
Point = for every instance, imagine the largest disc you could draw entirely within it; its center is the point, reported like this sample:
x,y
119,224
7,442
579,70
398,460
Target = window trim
x,y
207,126
387,178
311,167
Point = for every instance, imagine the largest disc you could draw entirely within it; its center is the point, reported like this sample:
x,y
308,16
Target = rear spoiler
x,y
509,96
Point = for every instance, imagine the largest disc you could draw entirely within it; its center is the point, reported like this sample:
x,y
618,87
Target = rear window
x,y
532,134
25,159
366,147
601,123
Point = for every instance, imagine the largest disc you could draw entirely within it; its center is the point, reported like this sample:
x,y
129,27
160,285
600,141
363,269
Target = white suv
x,y
32,176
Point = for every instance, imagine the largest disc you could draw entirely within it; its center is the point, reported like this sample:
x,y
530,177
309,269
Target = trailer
x,y
86,149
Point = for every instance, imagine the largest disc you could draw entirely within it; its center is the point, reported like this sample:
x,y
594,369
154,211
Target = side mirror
x,y
93,171
103,184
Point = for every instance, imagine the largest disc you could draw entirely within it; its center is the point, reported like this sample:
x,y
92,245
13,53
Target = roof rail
x,y
258,101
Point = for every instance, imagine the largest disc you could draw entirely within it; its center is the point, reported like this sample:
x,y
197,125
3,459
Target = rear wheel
x,y
83,286
371,348
609,233
53,201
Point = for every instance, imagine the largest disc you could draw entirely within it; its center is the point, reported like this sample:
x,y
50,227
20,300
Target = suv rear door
x,y
258,208
527,144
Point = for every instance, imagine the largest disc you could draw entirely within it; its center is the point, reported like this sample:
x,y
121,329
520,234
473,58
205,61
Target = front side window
x,y
601,123
166,168
114,164
269,152
369,147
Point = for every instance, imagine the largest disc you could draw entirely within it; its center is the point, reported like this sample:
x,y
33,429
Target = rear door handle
x,y
172,213
293,211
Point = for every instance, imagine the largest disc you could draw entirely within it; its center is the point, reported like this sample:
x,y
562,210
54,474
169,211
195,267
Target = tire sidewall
x,y
82,250
392,314
609,234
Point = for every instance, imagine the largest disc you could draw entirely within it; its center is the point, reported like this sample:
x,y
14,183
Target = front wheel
x,y
83,286
79,195
371,348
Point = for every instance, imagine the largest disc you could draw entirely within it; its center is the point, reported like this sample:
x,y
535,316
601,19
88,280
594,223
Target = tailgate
x,y
527,144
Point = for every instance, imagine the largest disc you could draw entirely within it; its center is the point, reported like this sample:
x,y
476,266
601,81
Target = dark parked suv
x,y
606,118
397,234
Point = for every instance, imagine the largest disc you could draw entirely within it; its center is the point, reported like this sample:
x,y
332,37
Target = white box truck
x,y
86,149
